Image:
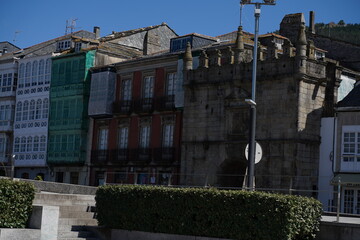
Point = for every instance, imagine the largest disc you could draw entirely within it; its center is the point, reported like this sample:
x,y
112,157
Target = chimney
x,y
97,32
312,22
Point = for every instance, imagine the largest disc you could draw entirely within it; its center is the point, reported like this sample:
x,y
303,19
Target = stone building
x,y
295,86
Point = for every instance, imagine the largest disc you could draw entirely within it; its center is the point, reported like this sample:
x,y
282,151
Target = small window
x,y
103,138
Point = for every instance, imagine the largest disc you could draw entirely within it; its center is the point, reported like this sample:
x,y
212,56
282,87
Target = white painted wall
x,y
326,161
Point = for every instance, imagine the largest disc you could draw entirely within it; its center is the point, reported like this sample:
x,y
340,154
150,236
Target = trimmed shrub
x,y
208,212
15,203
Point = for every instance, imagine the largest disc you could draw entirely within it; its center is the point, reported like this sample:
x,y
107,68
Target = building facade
x,y
138,140
32,108
292,94
8,84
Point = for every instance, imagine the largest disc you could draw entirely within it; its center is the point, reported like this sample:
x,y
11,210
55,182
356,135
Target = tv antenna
x,y
15,34
70,25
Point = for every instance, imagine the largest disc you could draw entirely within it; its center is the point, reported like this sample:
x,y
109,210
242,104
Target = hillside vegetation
x,y
341,31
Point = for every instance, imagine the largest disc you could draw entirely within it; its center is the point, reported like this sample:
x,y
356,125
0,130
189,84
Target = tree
x,y
341,23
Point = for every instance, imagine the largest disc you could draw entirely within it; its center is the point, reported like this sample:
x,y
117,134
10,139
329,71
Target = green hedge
x,y
208,212
15,203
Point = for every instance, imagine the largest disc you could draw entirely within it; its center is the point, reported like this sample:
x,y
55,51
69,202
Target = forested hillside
x,y
342,31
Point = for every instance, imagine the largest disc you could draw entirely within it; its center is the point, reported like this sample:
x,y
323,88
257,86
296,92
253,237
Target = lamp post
x,y
252,101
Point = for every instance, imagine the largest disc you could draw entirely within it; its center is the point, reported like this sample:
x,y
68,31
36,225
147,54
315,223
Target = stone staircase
x,y
75,212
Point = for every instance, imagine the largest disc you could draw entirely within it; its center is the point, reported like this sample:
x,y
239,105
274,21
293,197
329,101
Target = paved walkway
x,y
342,219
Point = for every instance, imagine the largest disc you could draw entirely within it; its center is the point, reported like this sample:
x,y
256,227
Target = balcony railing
x,y
99,156
165,103
144,105
166,155
123,107
120,156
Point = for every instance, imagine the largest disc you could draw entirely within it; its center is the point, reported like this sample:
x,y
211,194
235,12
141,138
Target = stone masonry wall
x,y
216,123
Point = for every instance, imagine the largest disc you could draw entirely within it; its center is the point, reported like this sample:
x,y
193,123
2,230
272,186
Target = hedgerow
x,y
15,203
208,212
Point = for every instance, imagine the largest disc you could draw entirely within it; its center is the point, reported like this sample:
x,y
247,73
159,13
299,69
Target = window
x,y
145,136
103,138
45,108
36,144
148,87
168,135
351,201
77,47
34,73
63,45
29,144
123,134
171,84
21,75
126,90
42,144
38,109
5,114
25,110
27,74
32,110
74,177
41,72
47,71
6,82
17,145
2,146
351,147
23,144
18,111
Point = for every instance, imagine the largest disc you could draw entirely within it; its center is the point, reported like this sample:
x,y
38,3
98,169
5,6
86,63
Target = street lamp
x,y
252,101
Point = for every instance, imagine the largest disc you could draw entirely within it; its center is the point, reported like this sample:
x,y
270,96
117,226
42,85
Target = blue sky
x,y
41,20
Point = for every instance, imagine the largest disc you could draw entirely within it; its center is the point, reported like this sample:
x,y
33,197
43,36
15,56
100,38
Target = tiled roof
x,y
352,99
272,35
199,35
116,35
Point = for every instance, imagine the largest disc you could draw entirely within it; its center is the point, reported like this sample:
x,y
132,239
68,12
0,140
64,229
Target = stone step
x,y
77,222
79,238
63,199
77,208
75,234
77,214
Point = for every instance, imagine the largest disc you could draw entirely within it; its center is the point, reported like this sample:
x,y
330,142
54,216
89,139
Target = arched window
x,y
45,113
21,75
41,72
42,143
23,144
47,71
29,144
38,109
34,73
17,145
25,110
27,74
32,110
18,111
36,144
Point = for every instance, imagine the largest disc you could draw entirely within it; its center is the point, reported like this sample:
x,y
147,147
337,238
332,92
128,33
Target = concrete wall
x,y
136,235
338,231
19,234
